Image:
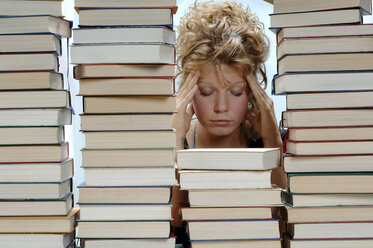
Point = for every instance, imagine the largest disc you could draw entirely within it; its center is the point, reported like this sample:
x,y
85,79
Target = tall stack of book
x,y
124,51
36,206
231,197
327,73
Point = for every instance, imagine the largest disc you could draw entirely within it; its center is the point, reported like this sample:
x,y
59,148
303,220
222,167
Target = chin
x,y
221,131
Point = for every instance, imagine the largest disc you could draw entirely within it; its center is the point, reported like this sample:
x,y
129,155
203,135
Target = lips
x,y
221,122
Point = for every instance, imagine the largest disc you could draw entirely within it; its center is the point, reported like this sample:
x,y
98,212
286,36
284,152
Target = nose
x,y
221,103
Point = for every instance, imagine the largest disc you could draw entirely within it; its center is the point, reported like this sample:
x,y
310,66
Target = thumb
x,y
190,111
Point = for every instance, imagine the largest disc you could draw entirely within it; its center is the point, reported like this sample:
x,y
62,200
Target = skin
x,y
220,100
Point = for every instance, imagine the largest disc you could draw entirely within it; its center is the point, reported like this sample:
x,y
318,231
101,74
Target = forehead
x,y
220,74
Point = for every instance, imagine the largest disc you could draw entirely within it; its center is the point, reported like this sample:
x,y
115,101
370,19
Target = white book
x,y
130,176
229,158
208,179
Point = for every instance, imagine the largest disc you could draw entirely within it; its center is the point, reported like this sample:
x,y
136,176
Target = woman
x,y
221,49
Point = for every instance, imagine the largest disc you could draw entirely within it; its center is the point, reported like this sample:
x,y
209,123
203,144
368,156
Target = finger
x,y
190,111
183,102
263,100
189,83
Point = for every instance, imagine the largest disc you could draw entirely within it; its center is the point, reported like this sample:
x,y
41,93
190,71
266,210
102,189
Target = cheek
x,y
240,107
201,104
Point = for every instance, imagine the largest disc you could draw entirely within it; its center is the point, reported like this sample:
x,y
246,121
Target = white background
x,y
75,138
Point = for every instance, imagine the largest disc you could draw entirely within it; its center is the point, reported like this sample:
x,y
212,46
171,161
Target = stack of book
x,y
124,51
326,72
36,206
231,197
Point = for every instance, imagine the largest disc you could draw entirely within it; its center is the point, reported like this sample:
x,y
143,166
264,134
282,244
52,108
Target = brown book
x,y
41,224
126,86
30,80
34,99
129,104
33,153
86,71
126,122
331,182
28,62
31,135
31,42
130,139
328,118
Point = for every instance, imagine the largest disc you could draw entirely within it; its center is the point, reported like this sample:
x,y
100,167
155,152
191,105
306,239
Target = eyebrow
x,y
230,84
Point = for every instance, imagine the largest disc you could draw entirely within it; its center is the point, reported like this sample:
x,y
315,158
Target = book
x,y
129,34
36,172
330,134
126,122
331,230
233,230
326,62
229,159
213,179
31,135
132,157
40,224
338,163
35,24
96,17
30,80
340,44
28,62
35,117
325,31
235,197
130,139
17,7
37,240
37,190
321,81
356,99
328,118
296,6
35,99
353,147
327,214
225,213
331,182
33,153
102,212
326,200
129,104
157,176
21,207
30,43
330,243
125,3
124,229
310,18
133,243
126,86
105,71
124,194
237,244
150,53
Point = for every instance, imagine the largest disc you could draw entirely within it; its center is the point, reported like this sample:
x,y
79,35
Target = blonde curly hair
x,y
222,33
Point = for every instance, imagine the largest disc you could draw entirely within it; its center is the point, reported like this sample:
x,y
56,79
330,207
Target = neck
x,y
205,139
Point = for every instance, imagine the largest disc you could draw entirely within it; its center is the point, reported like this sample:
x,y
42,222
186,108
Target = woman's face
x,y
221,101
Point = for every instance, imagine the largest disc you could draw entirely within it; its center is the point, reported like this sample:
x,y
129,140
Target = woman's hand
x,y
183,116
264,122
